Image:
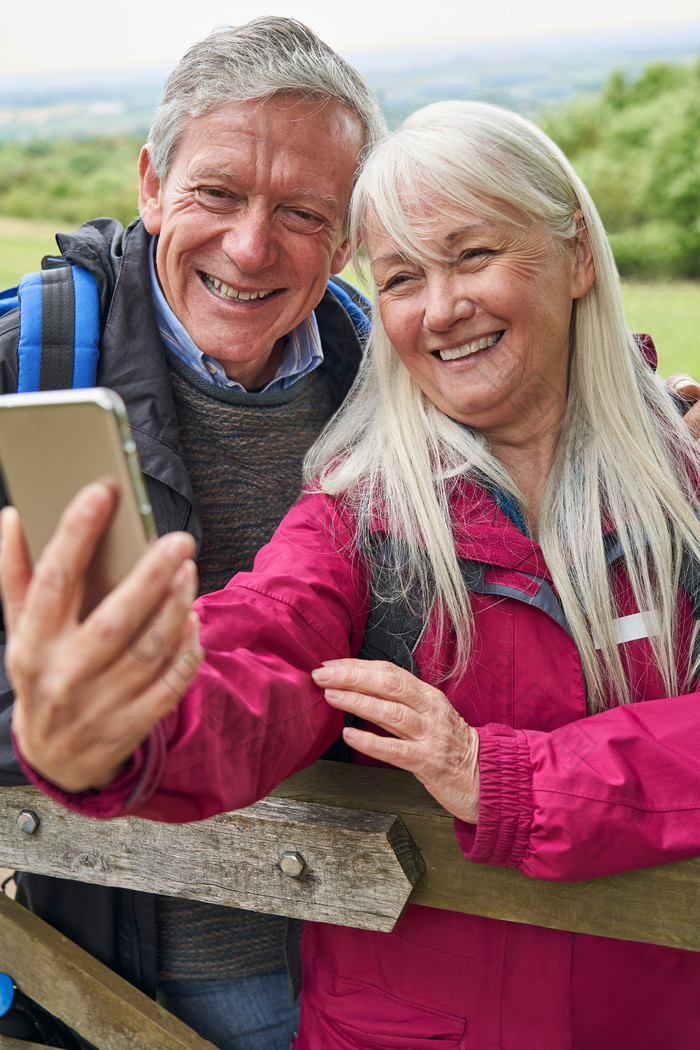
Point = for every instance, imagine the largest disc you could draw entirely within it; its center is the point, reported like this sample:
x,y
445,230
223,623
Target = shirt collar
x,y
302,346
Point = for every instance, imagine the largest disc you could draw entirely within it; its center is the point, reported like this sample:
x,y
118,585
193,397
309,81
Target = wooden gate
x,y
336,843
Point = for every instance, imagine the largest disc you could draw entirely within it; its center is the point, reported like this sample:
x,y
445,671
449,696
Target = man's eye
x,y
301,221
215,198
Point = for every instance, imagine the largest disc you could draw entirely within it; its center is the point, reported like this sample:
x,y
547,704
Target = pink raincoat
x,y
563,796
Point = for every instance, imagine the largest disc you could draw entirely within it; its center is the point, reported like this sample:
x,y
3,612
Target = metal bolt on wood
x,y
292,863
27,821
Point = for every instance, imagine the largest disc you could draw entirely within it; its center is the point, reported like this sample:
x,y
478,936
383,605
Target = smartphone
x,y
54,442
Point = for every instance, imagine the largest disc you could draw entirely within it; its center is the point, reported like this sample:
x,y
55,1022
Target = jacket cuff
x,y
130,790
502,833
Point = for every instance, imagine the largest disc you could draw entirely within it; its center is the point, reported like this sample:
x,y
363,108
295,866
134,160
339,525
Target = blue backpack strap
x,y
356,306
8,300
59,329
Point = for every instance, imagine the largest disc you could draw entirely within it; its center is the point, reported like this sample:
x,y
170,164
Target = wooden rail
x,y
338,843
345,844
303,859
87,996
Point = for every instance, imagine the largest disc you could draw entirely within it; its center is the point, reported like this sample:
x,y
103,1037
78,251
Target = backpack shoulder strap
x,y
393,628
356,305
59,328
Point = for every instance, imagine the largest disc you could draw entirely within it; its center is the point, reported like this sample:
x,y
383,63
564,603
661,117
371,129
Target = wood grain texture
x,y
360,867
73,986
657,905
234,859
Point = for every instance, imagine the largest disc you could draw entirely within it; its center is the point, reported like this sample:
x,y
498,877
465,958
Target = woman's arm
x,y
613,792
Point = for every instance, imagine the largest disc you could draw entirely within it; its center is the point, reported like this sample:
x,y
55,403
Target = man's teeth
x,y
470,348
227,292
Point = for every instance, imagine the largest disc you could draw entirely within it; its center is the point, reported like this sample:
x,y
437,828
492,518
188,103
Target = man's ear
x,y
149,193
583,273
341,256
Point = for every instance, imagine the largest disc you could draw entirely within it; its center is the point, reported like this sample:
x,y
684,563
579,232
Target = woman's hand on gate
x,y
427,736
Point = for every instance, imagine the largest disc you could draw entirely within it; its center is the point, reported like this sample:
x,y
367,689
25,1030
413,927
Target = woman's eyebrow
x,y
473,227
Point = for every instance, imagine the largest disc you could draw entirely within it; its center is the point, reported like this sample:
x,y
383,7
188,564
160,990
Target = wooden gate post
x,y
72,985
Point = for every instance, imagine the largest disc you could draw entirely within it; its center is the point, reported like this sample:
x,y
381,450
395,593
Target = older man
x,y
231,353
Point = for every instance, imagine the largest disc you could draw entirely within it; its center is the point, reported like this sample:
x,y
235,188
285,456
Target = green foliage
x,y
636,145
69,181
637,148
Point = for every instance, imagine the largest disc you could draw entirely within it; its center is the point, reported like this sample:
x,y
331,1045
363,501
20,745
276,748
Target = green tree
x,y
637,148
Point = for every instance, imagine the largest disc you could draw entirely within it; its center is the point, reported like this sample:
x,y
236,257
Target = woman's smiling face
x,y
482,320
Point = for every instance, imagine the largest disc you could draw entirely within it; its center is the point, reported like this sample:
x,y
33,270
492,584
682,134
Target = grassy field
x,y
670,312
22,245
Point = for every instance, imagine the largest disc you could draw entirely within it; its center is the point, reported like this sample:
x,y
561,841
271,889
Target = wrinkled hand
x,y
428,738
686,387
88,693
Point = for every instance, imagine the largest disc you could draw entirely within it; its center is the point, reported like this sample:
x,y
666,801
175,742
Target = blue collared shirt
x,y
302,346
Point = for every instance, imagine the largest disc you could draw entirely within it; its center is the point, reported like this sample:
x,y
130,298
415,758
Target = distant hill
x,y
525,75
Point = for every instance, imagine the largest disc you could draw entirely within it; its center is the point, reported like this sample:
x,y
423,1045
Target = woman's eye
x,y
475,253
394,283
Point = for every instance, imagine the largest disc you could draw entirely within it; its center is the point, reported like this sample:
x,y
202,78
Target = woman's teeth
x,y
470,348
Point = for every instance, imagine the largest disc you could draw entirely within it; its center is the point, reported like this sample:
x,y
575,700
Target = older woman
x,y
534,497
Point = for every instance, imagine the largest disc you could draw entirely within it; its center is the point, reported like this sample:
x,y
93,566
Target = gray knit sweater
x,y
244,455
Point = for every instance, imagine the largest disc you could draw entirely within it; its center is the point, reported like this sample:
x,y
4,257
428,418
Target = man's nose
x,y
249,241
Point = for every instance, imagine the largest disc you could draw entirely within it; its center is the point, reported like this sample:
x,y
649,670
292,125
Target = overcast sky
x,y
65,35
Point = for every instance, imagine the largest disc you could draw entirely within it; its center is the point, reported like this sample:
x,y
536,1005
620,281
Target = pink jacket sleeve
x,y
253,715
613,792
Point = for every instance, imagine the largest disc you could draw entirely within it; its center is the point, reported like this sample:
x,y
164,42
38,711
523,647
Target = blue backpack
x,y
59,326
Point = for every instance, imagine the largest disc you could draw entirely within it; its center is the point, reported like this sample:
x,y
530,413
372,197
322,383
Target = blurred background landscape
x,y
623,105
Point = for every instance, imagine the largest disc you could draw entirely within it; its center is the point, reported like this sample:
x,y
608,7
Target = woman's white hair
x,y
624,456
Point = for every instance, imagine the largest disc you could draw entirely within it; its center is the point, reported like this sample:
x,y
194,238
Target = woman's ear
x,y
583,272
149,193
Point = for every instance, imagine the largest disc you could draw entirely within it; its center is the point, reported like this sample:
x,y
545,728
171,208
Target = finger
x,y
55,593
176,677
396,718
15,566
135,721
692,420
378,678
685,385
386,749
162,585
150,654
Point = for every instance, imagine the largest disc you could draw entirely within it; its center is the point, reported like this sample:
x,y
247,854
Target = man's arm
x,y
72,677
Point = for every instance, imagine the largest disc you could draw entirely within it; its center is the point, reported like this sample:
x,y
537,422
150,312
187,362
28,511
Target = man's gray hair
x,y
267,56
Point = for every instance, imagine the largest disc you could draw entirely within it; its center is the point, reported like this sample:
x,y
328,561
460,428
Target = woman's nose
x,y
446,301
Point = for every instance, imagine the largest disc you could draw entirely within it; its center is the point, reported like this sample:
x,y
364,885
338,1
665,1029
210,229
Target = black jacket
x,y
118,926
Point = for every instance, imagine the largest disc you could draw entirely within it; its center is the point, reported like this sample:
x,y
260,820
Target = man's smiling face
x,y
250,224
